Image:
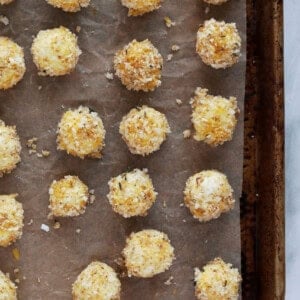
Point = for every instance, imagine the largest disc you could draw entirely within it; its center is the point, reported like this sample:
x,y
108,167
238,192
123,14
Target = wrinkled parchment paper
x,y
51,261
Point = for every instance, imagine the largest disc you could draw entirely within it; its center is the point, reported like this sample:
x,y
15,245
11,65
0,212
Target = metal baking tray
x,y
262,203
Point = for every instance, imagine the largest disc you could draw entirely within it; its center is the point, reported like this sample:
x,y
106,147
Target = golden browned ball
x,y
217,281
69,5
81,133
12,64
97,281
11,220
55,51
132,193
8,290
68,197
215,2
214,117
139,66
140,7
144,129
218,44
208,194
10,148
148,253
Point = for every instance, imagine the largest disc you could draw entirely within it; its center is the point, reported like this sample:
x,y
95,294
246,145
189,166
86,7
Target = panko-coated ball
x,y
217,281
11,219
4,2
215,2
8,290
132,193
208,194
148,253
69,5
97,281
55,51
140,7
68,197
10,148
81,133
214,117
218,44
144,129
139,66
12,64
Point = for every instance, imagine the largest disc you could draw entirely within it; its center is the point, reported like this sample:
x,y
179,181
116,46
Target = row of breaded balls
x,y
81,133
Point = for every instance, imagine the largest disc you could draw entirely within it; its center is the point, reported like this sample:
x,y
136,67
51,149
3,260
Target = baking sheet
x,y
51,261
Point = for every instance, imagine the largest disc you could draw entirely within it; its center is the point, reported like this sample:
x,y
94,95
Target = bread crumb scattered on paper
x,y
169,23
45,228
4,20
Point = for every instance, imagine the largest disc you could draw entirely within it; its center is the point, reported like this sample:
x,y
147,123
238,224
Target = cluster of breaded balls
x,y
208,194
218,44
217,281
214,117
81,133
12,64
144,129
140,7
11,219
132,193
68,197
139,66
8,290
55,51
69,5
10,148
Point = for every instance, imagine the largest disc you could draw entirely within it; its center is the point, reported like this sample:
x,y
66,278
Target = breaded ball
x,y
11,219
68,197
208,194
218,44
55,51
140,7
69,5
215,2
81,133
214,117
8,290
4,2
12,64
139,66
217,281
132,193
97,281
10,148
144,129
148,253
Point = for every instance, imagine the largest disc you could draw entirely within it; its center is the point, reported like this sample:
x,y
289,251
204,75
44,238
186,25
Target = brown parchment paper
x,y
51,261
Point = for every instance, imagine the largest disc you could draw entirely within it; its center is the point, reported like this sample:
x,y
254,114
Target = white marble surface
x,y
292,119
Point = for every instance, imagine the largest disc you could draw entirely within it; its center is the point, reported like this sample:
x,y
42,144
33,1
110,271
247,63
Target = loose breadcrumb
x,y
97,281
68,197
10,148
8,290
16,254
217,281
187,134
169,23
218,44
140,7
109,75
179,101
4,20
175,48
148,253
139,66
45,228
169,57
11,219
69,5
132,193
56,225
55,51
208,194
214,117
215,2
4,2
81,133
12,64
144,129
45,153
